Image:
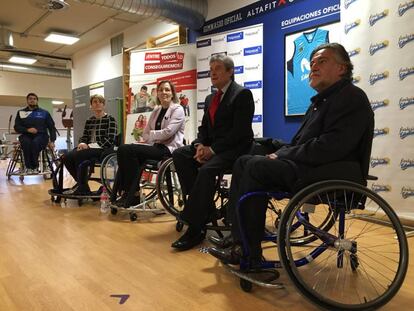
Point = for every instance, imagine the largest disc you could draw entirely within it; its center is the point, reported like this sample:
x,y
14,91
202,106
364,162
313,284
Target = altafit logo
x,y
354,52
232,54
404,7
376,17
379,161
381,132
203,59
380,188
252,33
379,104
373,48
405,102
406,131
406,163
375,77
407,192
218,40
352,25
252,67
404,72
403,40
347,3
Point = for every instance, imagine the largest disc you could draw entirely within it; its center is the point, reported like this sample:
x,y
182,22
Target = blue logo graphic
x,y
375,77
406,131
379,104
404,72
257,118
235,36
122,299
406,163
203,43
349,26
373,48
380,188
356,79
406,101
381,132
253,50
203,74
407,192
403,40
404,7
379,161
354,52
348,3
238,70
376,17
253,85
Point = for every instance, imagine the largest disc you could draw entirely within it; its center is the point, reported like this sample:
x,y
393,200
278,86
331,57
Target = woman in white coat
x,y
163,134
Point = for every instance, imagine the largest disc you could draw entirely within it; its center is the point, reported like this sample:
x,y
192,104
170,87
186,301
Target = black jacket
x,y
232,133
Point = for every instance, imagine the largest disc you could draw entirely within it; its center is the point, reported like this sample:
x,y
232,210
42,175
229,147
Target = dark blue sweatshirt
x,y
38,118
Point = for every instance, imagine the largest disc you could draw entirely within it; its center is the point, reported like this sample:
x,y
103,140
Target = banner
x,y
245,47
148,68
379,37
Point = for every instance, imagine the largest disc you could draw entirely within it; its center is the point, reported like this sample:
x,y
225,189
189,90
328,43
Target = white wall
x,y
95,63
220,7
20,84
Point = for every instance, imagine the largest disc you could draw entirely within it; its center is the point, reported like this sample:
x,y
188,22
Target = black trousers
x,y
73,160
198,182
31,146
131,159
255,173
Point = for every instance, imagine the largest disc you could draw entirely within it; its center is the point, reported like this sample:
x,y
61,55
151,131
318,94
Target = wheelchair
x,y
340,243
48,162
158,181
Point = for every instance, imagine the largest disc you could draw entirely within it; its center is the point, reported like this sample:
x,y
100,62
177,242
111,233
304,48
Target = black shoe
x,y
121,201
82,190
189,239
231,255
222,243
132,202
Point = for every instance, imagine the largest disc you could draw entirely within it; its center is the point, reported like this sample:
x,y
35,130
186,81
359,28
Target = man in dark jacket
x,y
225,134
338,126
34,123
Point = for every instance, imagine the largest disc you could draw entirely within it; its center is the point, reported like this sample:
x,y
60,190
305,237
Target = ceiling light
x,y
22,60
61,38
13,67
57,102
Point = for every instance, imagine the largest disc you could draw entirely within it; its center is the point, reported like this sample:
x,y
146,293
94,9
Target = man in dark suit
x,y
225,134
333,142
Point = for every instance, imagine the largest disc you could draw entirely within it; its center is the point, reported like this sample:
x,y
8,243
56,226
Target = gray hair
x,y
341,56
226,60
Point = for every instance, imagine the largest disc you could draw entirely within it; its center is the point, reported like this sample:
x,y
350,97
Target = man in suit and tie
x,y
225,134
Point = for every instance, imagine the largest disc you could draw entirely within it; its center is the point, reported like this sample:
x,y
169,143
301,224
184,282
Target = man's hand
x,y
271,156
32,130
52,145
82,146
199,153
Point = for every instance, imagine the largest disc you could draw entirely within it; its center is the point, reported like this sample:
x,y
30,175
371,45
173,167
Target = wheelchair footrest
x,y
264,278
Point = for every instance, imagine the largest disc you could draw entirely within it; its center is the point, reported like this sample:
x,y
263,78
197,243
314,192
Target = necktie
x,y
214,105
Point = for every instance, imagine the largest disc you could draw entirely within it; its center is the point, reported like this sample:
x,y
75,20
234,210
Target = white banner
x,y
148,67
245,47
379,35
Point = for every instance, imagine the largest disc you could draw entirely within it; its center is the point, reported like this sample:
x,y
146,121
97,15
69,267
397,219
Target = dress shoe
x,y
120,202
189,239
231,255
222,243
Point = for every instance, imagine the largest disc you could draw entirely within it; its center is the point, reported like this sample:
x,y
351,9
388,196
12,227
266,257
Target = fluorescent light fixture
x,y
22,60
13,67
57,102
61,38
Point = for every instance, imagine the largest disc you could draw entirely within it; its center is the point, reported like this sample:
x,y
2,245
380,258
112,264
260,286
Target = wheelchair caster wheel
x,y
21,177
133,217
114,211
179,226
246,286
80,202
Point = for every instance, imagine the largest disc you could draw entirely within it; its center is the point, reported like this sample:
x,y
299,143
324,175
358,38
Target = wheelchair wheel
x,y
169,189
358,263
109,167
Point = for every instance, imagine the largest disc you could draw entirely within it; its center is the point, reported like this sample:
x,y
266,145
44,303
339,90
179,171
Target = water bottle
x,y
104,199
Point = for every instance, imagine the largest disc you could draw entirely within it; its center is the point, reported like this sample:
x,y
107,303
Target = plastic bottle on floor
x,y
104,199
